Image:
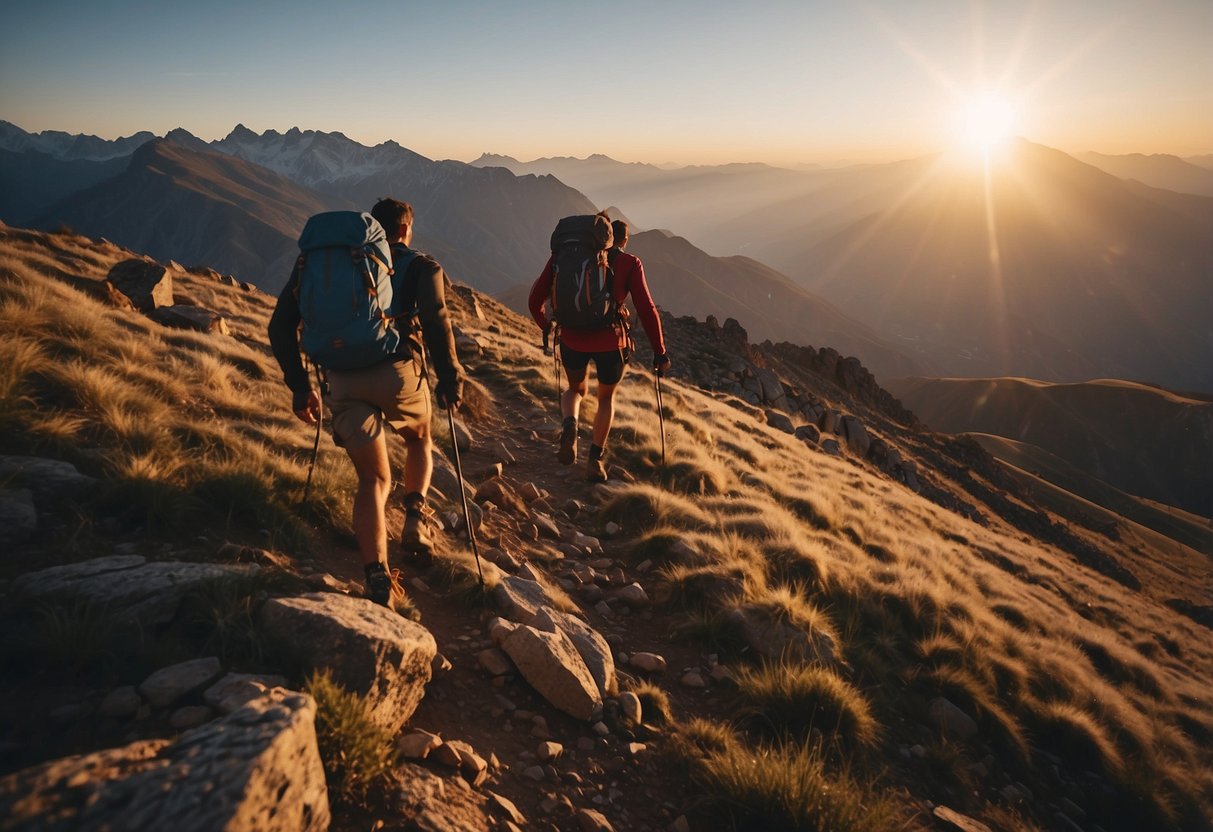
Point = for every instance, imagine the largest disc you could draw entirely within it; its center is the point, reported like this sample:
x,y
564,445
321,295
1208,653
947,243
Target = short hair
x,y
392,213
619,229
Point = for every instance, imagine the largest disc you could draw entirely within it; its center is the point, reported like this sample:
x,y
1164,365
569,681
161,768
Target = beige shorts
x,y
361,401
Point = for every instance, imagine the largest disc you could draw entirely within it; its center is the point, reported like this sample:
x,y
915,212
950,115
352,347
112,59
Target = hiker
x,y
391,390
606,341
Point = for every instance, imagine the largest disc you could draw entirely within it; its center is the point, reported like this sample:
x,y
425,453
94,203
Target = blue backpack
x,y
345,291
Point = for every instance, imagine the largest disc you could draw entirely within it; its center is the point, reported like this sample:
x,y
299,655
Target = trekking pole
x,y
467,517
660,414
307,489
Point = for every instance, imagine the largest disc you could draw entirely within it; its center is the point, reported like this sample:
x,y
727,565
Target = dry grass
x,y
795,699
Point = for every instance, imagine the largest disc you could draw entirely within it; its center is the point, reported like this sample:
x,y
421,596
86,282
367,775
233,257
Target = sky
x,y
666,81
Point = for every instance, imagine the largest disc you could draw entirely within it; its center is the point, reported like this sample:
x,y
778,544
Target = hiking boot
x,y
596,470
567,454
383,587
416,546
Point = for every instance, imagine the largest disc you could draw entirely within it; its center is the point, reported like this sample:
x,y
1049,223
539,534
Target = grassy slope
x,y
1056,661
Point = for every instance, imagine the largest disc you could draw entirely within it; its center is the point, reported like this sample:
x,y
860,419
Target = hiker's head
x,y
619,230
396,217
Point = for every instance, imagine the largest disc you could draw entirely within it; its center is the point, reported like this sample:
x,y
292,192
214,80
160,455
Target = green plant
x,y
357,754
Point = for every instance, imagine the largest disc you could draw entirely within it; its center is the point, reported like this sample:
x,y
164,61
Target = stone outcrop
x,y
369,649
147,284
257,768
589,643
181,316
130,587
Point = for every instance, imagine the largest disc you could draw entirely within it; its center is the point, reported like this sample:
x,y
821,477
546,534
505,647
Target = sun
x,y
986,121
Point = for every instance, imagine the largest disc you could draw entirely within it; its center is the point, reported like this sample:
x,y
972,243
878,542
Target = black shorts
x,y
608,365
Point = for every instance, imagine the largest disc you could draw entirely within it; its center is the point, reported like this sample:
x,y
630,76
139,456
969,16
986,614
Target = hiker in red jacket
x,y
608,348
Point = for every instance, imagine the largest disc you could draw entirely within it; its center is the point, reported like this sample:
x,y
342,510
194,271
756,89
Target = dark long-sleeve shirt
x,y
423,287
628,279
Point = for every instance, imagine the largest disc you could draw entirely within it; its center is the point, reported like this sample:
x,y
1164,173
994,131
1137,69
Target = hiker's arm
x,y
643,302
436,326
541,293
284,341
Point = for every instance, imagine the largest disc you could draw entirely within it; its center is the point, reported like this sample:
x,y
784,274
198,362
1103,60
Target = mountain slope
x,y
198,207
897,599
1142,440
1158,170
31,180
1057,271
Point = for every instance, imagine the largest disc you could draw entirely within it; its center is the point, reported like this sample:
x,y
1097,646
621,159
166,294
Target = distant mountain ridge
x,y
1158,170
1143,440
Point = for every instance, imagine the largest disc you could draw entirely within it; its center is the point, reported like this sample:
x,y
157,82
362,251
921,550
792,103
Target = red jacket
x,y
628,279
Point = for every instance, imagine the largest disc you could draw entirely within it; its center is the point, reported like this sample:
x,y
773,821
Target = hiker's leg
x,y
419,462
374,482
570,400
606,413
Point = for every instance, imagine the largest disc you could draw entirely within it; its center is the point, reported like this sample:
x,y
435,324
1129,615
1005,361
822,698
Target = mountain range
x,y
1038,265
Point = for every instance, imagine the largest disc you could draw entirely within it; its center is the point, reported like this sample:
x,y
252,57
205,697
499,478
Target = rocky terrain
x,y
791,607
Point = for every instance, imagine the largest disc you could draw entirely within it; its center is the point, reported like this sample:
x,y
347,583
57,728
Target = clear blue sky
x,y
685,81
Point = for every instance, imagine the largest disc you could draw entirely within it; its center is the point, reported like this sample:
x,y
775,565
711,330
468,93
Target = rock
x,y
120,703
829,421
680,824
529,493
506,807
962,822
551,664
426,801
235,690
494,661
46,478
807,433
445,478
501,559
683,553
417,744
518,598
633,595
148,285
134,590
257,768
548,751
693,679
779,420
547,527
831,447
472,766
370,650
463,436
648,662
168,684
630,707
612,528
589,643
189,716
503,453
591,820
444,754
856,435
770,388
181,316
536,773
951,719
768,634
18,516
499,628
501,495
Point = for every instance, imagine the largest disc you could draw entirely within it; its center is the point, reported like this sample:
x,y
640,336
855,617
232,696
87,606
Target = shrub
x,y
796,698
357,754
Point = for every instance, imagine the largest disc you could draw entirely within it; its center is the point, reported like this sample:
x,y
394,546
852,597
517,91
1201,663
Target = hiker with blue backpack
x,y
364,306
585,283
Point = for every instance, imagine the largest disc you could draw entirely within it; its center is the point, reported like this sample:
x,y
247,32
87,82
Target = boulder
x,y
779,420
168,684
856,435
18,516
235,690
46,477
831,447
950,719
257,768
497,492
588,642
181,316
369,649
148,285
829,421
518,598
807,433
551,665
767,634
131,588
771,388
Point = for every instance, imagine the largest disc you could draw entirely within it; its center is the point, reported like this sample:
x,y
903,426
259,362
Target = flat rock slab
x,y
182,316
129,586
168,684
45,477
519,598
258,768
369,649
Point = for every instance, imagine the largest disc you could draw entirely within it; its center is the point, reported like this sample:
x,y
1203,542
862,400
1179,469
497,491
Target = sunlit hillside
x,y
843,605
